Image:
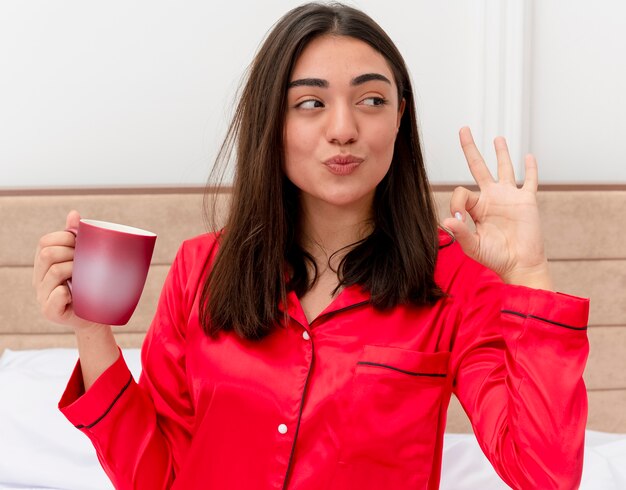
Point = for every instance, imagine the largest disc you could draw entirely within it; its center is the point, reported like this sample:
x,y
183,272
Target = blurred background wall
x,y
134,93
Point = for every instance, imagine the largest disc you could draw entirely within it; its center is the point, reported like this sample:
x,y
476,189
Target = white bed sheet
x,y
39,449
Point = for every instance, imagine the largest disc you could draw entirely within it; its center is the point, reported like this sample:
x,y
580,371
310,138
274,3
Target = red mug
x,y
111,263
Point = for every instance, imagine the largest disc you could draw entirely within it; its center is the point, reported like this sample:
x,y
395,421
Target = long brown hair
x,y
260,258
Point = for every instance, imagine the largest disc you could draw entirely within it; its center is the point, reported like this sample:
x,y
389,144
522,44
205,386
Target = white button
x,y
282,428
306,336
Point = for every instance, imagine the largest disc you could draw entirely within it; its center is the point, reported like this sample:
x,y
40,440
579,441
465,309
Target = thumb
x,y
71,222
467,239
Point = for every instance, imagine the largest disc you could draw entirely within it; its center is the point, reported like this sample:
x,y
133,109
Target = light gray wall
x,y
578,119
140,93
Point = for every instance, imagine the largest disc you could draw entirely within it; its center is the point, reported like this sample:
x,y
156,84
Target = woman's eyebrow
x,y
321,83
368,77
309,82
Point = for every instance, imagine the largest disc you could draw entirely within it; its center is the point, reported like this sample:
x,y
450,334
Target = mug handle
x,y
73,231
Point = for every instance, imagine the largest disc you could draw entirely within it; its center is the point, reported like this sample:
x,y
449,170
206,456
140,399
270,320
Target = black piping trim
x,y
522,315
451,242
304,390
339,310
306,381
80,426
412,373
453,238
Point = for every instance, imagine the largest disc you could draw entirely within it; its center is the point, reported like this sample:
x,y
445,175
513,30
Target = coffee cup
x,y
111,263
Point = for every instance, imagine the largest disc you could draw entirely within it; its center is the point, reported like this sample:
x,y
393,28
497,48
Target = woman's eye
x,y
310,104
374,101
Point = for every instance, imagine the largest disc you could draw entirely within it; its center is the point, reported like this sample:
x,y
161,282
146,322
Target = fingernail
x,y
458,216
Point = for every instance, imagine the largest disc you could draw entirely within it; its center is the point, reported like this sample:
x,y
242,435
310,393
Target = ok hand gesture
x,y
508,237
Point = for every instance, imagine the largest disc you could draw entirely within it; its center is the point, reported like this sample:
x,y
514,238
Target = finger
x,y
475,161
531,178
54,239
505,166
50,256
52,248
463,200
467,239
56,306
72,220
56,276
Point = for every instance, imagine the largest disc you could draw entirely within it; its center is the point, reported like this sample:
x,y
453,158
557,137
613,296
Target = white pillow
x,y
38,446
40,449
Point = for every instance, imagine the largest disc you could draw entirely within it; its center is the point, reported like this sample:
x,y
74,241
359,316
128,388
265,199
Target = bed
x,y
39,449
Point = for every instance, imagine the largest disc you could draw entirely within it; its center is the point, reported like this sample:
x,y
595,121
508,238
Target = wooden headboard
x,y
585,239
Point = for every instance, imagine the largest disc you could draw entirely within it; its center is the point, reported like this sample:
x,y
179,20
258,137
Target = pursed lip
x,y
343,164
343,160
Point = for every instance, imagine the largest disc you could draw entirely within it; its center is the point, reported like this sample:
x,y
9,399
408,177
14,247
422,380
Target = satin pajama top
x,y
355,399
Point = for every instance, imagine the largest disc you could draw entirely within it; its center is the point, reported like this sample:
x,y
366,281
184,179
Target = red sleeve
x,y
518,361
141,431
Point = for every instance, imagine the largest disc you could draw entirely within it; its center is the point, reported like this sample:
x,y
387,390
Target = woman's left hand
x,y
508,237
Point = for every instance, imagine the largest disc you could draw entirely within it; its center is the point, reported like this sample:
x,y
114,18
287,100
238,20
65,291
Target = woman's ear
x,y
400,113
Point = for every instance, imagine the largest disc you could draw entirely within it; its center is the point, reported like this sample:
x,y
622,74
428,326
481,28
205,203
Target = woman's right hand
x,y
54,263
53,267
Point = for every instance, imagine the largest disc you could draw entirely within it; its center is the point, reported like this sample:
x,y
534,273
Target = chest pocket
x,y
391,428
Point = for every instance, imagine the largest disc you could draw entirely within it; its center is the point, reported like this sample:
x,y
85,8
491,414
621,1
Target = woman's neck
x,y
327,231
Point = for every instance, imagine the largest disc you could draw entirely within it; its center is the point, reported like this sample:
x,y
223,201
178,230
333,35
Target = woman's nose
x,y
342,127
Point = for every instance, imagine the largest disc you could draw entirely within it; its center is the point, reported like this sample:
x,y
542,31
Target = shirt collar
x,y
347,298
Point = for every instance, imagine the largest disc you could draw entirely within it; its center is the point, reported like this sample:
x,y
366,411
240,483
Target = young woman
x,y
315,341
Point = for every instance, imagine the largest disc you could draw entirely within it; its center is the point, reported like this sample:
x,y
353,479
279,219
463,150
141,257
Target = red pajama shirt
x,y
355,399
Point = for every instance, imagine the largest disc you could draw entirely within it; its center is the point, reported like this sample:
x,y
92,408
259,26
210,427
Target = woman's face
x,y
341,122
